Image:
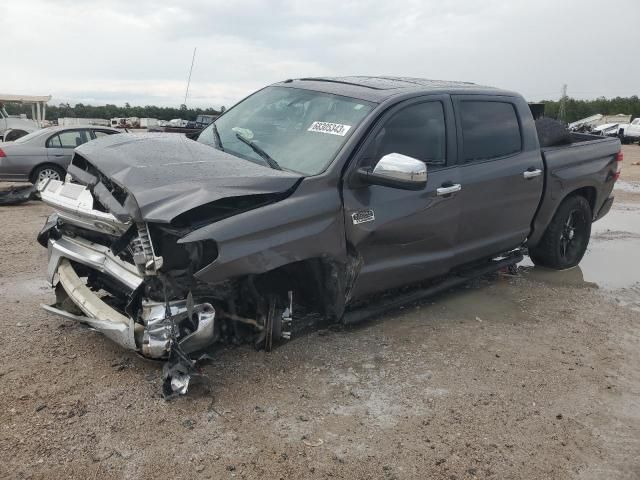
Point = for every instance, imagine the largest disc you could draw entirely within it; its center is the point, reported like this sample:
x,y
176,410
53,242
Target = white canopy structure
x,y
38,104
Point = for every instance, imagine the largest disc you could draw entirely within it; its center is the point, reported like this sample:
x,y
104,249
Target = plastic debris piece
x,y
310,443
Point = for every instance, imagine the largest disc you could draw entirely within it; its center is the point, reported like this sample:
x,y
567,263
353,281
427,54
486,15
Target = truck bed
x,y
588,163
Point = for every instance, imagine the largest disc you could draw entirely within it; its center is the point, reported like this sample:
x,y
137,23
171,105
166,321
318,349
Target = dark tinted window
x,y
417,131
489,130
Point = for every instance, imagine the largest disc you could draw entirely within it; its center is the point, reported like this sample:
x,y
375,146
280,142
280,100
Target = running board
x,y
375,309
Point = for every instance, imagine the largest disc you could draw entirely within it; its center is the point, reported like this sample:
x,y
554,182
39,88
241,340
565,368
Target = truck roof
x,y
380,88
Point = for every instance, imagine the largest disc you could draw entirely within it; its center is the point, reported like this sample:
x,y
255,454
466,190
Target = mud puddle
x,y
612,261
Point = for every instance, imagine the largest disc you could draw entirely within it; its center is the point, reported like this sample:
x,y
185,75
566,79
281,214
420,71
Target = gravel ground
x,y
532,376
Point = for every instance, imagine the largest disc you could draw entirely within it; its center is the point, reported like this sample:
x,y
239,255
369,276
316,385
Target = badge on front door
x,y
362,216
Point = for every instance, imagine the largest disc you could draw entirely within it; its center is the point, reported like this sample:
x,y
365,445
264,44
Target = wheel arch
x,y
589,193
319,282
11,133
540,225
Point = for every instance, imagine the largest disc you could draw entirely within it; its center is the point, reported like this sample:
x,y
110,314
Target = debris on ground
x,y
310,443
17,195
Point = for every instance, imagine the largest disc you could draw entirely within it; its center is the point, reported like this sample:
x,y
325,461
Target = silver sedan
x,y
45,153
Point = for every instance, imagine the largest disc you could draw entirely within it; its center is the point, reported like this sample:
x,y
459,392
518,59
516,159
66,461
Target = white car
x,y
630,132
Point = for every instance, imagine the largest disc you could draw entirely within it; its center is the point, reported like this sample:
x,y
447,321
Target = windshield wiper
x,y
264,155
216,137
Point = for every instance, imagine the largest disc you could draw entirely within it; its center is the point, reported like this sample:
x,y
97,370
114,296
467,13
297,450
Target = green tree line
x,y
577,109
108,111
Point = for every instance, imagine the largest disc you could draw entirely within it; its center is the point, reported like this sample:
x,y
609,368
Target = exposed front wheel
x,y
44,172
567,236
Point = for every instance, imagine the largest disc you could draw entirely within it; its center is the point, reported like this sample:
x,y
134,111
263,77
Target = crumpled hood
x,y
169,174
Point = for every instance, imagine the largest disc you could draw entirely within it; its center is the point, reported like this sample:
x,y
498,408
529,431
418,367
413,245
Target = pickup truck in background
x,y
315,194
12,127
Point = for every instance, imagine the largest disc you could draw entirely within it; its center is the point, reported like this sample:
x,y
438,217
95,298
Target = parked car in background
x,y
607,130
45,153
201,121
630,132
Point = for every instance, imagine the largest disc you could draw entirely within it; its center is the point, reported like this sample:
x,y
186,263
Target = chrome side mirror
x,y
396,171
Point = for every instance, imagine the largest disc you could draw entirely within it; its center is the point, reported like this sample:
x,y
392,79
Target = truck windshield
x,y
302,130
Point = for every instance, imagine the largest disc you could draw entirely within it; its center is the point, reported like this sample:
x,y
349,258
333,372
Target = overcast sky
x,y
139,51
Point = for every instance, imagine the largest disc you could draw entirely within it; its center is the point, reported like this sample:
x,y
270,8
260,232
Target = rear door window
x,y
69,139
489,130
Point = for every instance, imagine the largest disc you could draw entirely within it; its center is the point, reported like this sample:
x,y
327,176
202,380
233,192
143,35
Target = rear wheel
x,y
567,236
44,172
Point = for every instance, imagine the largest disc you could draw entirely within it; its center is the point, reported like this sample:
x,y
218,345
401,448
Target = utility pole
x,y
193,59
562,109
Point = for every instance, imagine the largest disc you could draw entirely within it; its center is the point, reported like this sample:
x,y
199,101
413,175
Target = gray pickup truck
x,y
318,194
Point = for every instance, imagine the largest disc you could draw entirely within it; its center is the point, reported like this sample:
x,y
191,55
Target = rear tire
x,y
566,239
47,171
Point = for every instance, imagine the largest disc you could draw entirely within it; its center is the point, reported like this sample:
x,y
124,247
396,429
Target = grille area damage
x,y
136,281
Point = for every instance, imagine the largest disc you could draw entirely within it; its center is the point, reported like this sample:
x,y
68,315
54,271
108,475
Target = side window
x,y
68,139
417,131
489,130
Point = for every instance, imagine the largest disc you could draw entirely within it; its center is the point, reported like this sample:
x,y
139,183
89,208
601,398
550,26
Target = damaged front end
x,y
135,281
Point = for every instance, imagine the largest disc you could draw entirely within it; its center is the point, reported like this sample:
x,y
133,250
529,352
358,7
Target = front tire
x,y
566,239
44,172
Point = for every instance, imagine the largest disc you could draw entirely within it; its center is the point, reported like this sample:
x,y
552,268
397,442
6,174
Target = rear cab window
x,y
490,129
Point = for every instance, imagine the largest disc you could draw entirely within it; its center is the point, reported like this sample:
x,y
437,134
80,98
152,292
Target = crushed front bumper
x,y
97,313
154,329
153,332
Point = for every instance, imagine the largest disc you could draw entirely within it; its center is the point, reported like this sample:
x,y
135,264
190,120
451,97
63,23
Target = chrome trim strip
x,y
92,255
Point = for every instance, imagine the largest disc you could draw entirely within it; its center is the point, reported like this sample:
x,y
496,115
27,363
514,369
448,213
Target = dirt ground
x,y
532,376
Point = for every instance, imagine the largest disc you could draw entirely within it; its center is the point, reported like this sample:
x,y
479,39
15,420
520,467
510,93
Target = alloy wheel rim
x,y
570,236
48,173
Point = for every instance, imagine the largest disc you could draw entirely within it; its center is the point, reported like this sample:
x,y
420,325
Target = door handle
x,y
532,173
449,189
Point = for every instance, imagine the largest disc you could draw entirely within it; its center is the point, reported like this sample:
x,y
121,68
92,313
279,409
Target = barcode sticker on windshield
x,y
331,128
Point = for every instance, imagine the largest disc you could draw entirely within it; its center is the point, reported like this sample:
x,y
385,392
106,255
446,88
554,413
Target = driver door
x,y
403,236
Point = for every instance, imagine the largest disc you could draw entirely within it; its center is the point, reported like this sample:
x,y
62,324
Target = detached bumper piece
x,y
168,331
17,195
97,313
